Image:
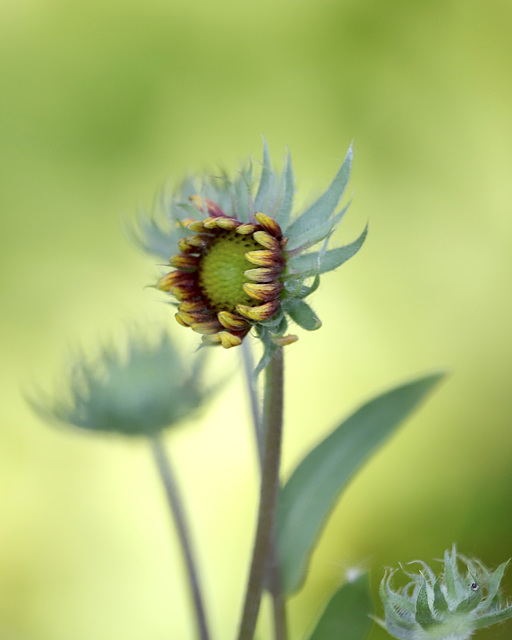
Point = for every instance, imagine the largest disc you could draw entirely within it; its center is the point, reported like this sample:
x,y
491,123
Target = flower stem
x,y
273,572
272,435
248,364
278,598
175,503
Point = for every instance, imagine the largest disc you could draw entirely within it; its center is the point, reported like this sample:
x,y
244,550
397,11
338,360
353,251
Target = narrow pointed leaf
x,y
186,209
394,617
285,210
401,605
318,232
148,235
396,630
440,603
495,579
300,290
492,618
312,490
450,576
347,614
323,261
266,181
269,349
307,291
243,195
324,207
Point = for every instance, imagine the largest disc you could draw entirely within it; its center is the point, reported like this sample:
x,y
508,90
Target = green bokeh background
x,y
101,103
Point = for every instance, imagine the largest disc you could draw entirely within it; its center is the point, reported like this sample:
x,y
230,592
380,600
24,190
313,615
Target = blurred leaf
x,y
347,615
147,234
311,492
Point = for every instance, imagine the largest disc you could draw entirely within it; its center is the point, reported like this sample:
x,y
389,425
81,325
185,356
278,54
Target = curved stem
x,y
273,423
174,500
273,572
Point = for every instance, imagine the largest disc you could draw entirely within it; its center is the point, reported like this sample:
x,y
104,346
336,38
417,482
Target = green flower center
x,y
221,271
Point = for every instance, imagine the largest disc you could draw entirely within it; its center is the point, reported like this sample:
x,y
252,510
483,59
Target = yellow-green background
x,y
100,104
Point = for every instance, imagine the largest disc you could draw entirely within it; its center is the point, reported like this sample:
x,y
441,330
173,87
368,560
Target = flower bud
x,y
233,235
138,392
451,606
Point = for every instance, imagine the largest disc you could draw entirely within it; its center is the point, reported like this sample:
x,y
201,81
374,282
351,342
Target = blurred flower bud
x,y
138,391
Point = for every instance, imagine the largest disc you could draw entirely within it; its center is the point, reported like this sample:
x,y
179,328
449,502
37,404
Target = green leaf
x,y
347,614
285,210
301,313
311,492
318,262
322,209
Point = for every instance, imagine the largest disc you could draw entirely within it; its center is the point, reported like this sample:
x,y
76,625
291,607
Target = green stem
x,y
273,423
175,503
273,572
248,364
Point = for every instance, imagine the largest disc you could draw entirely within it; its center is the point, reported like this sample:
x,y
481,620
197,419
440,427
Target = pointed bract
x,y
326,204
322,261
